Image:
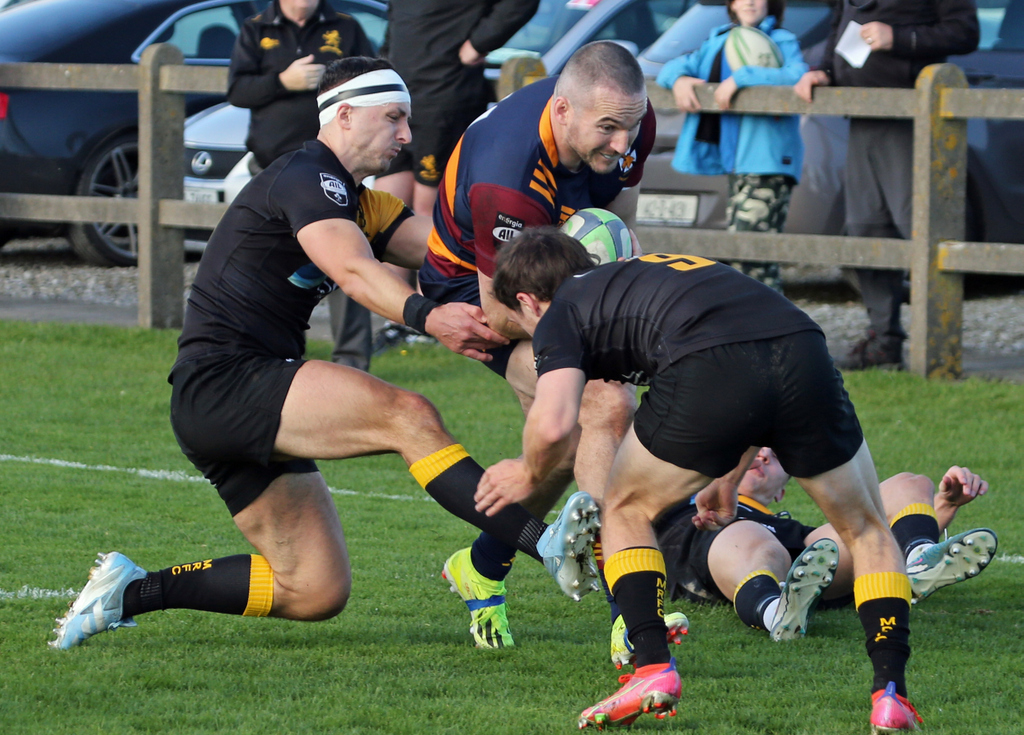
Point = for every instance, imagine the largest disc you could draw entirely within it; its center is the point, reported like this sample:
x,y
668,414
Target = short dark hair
x,y
604,64
775,7
537,262
340,71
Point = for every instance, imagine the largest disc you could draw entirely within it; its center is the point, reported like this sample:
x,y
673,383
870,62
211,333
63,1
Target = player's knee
x,y
610,405
324,602
410,413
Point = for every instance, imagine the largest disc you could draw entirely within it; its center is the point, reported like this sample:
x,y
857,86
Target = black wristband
x,y
415,312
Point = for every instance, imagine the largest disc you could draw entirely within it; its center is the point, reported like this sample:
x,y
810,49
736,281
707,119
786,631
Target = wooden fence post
x,y
161,176
940,190
517,72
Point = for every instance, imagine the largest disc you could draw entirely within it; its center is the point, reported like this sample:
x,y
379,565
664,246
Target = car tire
x,y
113,171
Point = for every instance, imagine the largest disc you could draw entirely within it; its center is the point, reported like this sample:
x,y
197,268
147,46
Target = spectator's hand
x,y
302,75
960,486
469,56
725,92
716,505
462,328
507,482
877,35
811,79
637,250
686,98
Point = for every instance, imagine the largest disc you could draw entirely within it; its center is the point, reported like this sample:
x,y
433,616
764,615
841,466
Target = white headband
x,y
380,87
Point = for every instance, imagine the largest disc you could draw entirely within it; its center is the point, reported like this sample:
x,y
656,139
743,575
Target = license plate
x,y
204,196
667,209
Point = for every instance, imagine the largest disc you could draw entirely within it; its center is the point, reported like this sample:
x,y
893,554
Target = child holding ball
x,y
761,153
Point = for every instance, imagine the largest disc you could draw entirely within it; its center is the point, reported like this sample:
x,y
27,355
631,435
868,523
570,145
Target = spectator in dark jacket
x,y
276,66
904,37
439,46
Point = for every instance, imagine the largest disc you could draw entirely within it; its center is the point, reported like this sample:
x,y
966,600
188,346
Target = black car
x,y
68,142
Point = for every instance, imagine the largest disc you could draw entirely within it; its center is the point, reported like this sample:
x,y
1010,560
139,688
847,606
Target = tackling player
x,y
743,562
579,140
732,366
252,414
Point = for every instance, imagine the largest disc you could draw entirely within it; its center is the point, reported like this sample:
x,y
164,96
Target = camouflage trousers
x,y
758,203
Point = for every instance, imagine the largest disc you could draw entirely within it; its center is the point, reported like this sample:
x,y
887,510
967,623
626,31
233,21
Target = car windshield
x,y
694,26
553,20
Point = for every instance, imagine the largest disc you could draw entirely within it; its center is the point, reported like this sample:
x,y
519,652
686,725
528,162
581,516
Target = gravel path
x,y
47,269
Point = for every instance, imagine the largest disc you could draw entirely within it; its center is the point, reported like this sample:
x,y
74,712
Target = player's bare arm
x,y
339,248
546,439
716,503
408,245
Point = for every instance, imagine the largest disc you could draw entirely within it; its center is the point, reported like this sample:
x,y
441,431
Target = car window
x,y
1002,25
552,20
808,20
206,35
641,22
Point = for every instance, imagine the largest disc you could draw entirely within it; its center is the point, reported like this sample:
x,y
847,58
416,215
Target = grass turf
x,y
399,659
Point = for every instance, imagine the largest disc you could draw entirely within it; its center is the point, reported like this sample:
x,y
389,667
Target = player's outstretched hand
x,y
463,328
507,482
716,505
960,486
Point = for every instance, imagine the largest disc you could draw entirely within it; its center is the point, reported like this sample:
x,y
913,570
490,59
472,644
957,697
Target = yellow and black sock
x,y
753,594
613,606
915,525
234,585
636,577
883,605
450,476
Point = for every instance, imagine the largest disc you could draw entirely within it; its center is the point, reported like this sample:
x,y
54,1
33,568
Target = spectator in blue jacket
x,y
761,153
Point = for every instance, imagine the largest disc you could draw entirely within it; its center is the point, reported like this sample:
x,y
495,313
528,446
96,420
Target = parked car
x,y
70,142
215,158
995,184
216,162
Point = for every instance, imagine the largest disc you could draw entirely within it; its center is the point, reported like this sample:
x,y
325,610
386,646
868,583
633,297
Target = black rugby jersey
x,y
256,286
789,531
628,321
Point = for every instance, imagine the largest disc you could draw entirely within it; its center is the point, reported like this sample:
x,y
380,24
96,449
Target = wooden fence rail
x,y
936,256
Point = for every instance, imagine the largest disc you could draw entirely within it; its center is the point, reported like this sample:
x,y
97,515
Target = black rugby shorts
x,y
705,410
225,413
435,133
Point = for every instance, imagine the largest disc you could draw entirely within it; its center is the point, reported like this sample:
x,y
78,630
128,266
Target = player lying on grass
x,y
743,562
556,146
732,366
252,415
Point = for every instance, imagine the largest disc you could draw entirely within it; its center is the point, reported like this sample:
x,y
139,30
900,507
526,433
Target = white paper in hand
x,y
852,47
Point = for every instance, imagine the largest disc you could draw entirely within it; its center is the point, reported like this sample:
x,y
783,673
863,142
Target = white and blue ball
x,y
602,233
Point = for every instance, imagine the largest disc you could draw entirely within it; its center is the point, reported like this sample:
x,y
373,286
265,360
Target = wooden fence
x,y
936,256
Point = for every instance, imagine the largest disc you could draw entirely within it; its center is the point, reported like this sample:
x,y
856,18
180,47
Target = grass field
x,y
89,464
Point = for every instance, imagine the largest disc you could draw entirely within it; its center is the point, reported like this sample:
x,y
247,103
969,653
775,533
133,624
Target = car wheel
x,y
112,171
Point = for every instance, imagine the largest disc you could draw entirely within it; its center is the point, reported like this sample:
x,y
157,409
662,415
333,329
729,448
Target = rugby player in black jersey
x,y
744,562
252,414
732,366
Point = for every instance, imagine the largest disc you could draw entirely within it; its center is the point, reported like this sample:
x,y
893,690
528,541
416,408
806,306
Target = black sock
x,y
491,557
915,529
613,606
753,595
450,476
214,585
637,579
886,622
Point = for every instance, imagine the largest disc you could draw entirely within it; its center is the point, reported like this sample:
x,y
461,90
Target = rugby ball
x,y
602,233
746,46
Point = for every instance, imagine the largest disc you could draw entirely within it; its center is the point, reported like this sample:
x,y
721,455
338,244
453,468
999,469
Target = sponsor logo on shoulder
x,y
506,227
335,189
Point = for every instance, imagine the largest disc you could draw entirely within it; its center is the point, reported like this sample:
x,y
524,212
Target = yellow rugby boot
x,y
485,599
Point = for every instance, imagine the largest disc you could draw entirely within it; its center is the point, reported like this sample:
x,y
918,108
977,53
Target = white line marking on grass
x,y
36,593
179,476
1015,559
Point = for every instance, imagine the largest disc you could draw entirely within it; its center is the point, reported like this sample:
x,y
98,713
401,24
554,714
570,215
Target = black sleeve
x,y
828,56
558,340
304,194
248,84
955,33
506,17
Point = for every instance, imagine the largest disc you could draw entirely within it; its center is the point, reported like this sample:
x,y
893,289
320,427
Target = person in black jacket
x,y
904,36
276,65
439,46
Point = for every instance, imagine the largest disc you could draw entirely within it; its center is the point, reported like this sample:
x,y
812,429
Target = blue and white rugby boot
x,y
808,578
566,546
99,605
957,558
